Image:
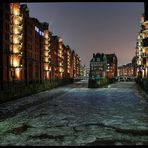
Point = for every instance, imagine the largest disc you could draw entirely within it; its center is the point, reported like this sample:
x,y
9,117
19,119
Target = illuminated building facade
x,y
68,58
126,70
103,65
60,58
46,52
84,72
16,44
36,48
111,65
11,45
98,65
73,65
54,55
29,53
66,61
78,60
142,46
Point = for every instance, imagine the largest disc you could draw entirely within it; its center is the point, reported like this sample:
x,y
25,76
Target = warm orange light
x,y
46,47
16,10
46,42
61,69
17,73
15,49
15,21
46,67
47,74
146,63
15,30
15,40
46,53
46,59
60,64
46,35
15,62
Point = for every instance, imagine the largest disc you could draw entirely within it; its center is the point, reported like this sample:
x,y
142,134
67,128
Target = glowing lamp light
x,y
60,69
46,68
15,40
47,74
46,59
46,54
15,30
46,34
15,50
16,11
46,47
46,42
17,73
15,62
16,22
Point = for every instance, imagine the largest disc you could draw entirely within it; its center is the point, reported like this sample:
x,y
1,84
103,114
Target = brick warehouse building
x,y
112,63
4,44
142,46
35,55
29,53
11,44
56,53
126,70
68,57
65,62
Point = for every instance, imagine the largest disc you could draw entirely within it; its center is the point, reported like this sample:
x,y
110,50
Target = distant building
x,y
57,57
104,65
87,72
111,65
126,70
73,64
98,65
66,61
78,60
84,72
82,69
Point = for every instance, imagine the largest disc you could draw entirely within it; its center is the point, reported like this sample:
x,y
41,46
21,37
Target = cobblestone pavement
x,y
75,115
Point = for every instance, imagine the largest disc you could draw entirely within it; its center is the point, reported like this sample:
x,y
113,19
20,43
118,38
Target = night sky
x,y
93,27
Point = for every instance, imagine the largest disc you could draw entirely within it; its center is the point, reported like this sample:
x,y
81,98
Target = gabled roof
x,y
101,56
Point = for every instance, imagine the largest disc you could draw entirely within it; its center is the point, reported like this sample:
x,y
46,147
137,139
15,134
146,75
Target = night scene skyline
x,y
48,97
110,27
